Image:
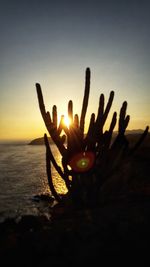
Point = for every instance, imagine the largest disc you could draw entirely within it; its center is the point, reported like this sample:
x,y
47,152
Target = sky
x,y
53,42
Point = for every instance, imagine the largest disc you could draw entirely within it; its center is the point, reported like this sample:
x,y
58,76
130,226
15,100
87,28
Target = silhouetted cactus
x,y
94,155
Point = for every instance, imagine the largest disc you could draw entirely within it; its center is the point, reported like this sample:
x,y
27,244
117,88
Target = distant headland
x,y
39,141
130,133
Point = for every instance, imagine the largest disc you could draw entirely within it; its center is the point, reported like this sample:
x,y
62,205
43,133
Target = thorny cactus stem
x,y
85,187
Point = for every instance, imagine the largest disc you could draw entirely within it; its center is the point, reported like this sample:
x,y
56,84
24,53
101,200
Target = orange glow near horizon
x,y
20,116
34,127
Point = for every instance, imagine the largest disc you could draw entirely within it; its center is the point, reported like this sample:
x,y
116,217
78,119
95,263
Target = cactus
x,y
94,154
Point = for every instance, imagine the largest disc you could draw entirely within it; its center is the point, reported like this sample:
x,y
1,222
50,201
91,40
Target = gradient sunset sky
x,y
52,43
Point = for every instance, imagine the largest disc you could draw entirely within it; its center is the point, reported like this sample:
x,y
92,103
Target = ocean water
x,y
22,177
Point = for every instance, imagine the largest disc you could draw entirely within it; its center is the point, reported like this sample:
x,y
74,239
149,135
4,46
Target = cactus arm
x,y
48,169
85,100
51,126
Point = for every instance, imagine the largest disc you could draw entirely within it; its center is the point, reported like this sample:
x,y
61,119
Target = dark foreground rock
x,y
117,232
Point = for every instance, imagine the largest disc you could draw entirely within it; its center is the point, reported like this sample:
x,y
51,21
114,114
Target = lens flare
x,y
82,162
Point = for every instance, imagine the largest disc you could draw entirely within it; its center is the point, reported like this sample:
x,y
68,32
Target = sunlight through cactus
x,y
88,160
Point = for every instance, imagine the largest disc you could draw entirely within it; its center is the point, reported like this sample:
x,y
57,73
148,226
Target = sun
x,y
67,121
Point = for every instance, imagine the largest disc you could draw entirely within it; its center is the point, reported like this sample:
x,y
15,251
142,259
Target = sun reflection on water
x,y
57,180
23,176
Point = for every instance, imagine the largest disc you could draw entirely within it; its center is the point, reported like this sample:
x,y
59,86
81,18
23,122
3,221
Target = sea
x,y
23,178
